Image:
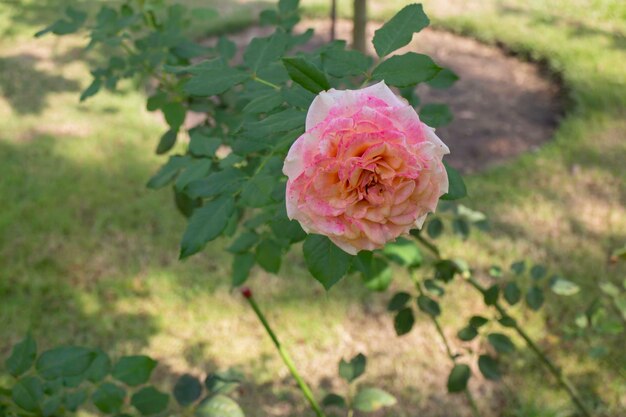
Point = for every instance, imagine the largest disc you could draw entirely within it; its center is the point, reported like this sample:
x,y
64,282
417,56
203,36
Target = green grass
x,y
89,255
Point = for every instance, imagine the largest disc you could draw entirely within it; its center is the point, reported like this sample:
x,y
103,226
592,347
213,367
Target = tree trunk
x,y
359,23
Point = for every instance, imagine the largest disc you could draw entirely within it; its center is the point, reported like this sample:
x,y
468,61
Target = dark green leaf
x,y
457,187
518,267
507,321
343,63
109,398
174,114
134,370
203,145
223,382
263,51
167,141
512,293
306,74
461,227
264,103
457,380
228,180
257,191
467,333
149,401
75,399
534,298
445,270
27,393
187,390
334,400
432,287
538,271
268,255
375,271
353,369
22,356
210,82
283,121
406,70
434,227
168,172
501,343
92,90
244,242
242,264
298,96
444,79
326,262
428,305
478,321
404,252
399,30
436,115
51,406
196,169
100,367
219,406
372,399
65,361
206,224
226,48
403,321
398,301
489,367
490,295
156,101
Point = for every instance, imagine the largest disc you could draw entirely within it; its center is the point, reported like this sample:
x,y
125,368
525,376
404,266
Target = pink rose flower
x,y
366,170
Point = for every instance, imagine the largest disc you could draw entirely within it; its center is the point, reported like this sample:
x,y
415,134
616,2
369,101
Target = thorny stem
x,y
284,355
556,372
446,343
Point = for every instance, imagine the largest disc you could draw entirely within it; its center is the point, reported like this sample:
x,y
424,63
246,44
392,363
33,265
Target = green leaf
x,y
223,382
22,356
489,367
326,262
436,115
538,271
406,70
261,52
244,242
65,361
490,295
226,48
512,293
404,252
495,271
196,169
562,286
108,398
518,267
428,305
149,401
399,30
478,321
100,367
27,393
168,171
432,287
507,321
210,82
187,390
66,26
434,227
306,74
353,369
398,301
372,399
92,90
264,103
403,321
534,298
458,378
501,342
228,180
343,63
219,406
278,122
457,187
203,145
269,255
467,333
167,141
461,227
134,370
206,224
298,96
375,271
257,191
444,79
75,399
242,264
51,406
445,270
174,114
334,400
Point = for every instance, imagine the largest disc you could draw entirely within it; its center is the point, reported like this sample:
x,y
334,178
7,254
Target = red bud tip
x,y
246,292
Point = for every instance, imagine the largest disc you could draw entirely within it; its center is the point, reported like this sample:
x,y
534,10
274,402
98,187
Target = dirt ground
x,y
502,106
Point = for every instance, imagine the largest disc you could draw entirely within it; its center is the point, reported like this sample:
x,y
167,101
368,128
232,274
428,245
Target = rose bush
x,y
366,170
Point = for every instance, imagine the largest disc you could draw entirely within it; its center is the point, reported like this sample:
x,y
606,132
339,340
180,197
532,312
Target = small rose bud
x,y
246,292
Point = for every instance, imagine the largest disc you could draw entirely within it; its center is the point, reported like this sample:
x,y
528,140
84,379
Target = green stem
x,y
442,335
262,81
286,358
561,379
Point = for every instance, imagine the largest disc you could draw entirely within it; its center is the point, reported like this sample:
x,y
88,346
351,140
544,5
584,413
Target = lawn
x,y
88,255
